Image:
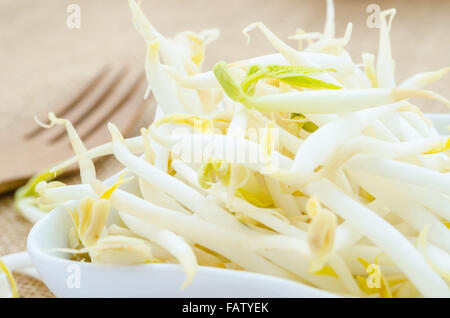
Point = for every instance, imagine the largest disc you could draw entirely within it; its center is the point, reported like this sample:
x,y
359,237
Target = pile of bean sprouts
x,y
301,164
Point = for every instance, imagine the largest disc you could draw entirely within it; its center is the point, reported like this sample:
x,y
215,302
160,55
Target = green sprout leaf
x,y
290,74
250,88
229,85
310,127
28,189
296,75
297,116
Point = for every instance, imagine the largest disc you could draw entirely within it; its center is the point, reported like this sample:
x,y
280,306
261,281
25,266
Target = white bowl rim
x,y
35,250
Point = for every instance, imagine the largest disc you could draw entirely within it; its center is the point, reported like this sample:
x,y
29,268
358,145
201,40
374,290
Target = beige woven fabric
x,y
43,61
13,233
14,230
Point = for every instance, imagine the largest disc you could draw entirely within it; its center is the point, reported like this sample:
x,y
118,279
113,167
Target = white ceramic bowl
x,y
67,278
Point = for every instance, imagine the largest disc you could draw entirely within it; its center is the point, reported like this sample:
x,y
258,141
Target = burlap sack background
x,y
42,61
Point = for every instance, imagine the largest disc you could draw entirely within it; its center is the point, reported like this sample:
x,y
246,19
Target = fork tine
x,y
80,95
148,105
125,118
125,104
90,104
123,101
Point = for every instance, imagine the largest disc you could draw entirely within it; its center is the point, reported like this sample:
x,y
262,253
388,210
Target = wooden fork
x,y
111,96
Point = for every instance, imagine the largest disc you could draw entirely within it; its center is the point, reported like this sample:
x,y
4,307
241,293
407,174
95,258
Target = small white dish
x,y
67,278
71,279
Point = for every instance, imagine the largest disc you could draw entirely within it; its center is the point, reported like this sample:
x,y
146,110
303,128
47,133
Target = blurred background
x,y
43,61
